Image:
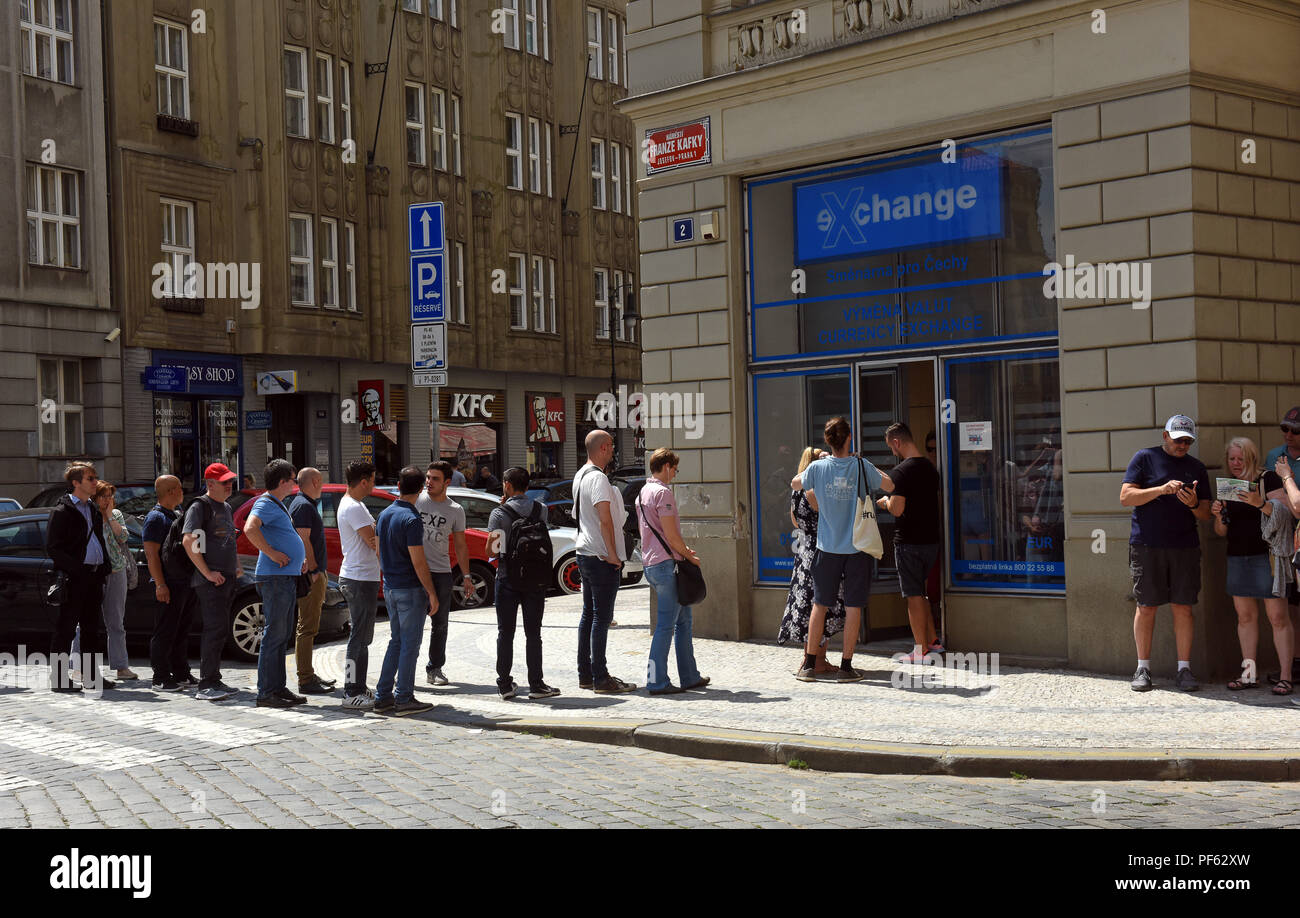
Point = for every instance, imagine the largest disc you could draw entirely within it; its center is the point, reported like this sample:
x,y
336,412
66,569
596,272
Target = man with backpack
x,y
525,571
171,568
210,538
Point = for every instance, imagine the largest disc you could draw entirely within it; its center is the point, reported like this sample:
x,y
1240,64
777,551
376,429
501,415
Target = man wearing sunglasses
x,y
1290,448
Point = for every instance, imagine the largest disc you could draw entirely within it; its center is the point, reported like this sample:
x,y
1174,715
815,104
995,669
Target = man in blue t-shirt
x,y
409,595
270,528
833,485
1168,491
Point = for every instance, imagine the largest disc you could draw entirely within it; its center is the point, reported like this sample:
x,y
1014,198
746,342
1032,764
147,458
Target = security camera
x,y
113,335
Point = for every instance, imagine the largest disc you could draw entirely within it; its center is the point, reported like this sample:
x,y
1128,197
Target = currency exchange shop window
x,y
1004,477
790,412
904,251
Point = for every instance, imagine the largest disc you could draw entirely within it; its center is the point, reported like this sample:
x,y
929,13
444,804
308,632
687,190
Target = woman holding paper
x,y
1250,563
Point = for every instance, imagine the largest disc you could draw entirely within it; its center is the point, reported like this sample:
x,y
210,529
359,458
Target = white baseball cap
x,y
1181,427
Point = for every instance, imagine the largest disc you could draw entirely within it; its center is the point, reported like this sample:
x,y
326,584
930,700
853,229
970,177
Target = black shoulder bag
x,y
691,588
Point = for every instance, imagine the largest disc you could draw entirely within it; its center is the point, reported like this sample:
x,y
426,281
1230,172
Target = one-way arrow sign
x,y
425,227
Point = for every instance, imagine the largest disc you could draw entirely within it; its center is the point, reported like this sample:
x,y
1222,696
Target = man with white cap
x,y
1168,491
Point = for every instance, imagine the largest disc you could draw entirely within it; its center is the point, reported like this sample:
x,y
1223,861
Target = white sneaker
x,y
364,702
435,677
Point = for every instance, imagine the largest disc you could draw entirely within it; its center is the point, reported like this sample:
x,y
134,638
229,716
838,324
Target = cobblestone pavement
x,y
134,758
754,689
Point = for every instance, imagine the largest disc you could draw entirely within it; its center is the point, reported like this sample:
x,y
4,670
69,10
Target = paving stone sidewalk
x,y
754,689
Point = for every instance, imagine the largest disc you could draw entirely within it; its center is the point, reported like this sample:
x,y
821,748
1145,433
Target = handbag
x,y
691,588
866,533
57,594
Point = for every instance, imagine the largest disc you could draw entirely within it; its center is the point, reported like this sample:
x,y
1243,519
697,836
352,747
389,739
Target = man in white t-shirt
x,y
359,578
598,507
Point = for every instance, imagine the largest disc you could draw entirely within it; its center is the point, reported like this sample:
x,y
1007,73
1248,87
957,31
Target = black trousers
x,y
214,611
508,602
171,635
83,608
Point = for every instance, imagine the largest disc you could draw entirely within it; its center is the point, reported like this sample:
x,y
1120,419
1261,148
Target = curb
x,y
882,758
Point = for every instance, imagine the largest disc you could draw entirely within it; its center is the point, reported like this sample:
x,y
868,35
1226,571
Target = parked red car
x,y
482,568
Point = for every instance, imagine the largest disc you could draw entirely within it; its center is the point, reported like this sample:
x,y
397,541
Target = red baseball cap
x,y
218,472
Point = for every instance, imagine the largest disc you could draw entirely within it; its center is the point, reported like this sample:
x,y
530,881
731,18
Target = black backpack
x,y
529,559
176,561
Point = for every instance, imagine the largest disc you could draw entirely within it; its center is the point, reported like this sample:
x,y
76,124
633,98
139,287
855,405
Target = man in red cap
x,y
210,537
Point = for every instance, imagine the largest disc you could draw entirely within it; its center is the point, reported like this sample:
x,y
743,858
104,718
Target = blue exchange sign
x,y
911,207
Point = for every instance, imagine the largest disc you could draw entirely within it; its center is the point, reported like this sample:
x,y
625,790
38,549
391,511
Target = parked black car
x,y
134,498
26,572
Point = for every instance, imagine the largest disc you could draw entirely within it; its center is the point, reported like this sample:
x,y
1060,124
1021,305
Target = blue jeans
x,y
407,610
672,626
363,599
599,589
279,599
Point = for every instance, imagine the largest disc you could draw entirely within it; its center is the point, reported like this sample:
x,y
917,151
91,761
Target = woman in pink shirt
x,y
661,548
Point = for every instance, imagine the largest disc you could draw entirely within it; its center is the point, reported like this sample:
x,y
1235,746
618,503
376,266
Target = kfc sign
x,y
470,405
370,395
545,419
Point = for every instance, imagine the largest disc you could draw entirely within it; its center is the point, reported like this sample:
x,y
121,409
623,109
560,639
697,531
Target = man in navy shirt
x,y
169,646
311,529
1168,491
409,595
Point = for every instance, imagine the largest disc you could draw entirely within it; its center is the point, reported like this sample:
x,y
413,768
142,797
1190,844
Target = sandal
x,y
1236,685
1283,687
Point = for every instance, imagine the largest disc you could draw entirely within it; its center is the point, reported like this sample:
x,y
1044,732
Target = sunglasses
x,y
1287,428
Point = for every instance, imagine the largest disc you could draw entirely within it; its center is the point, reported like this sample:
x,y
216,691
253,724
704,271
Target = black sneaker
x,y
188,681
274,701
668,689
587,685
290,696
506,691
1141,680
171,685
406,708
611,686
1186,681
542,691
315,687
384,705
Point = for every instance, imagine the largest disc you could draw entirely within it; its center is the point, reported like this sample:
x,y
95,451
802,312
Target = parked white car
x,y
564,538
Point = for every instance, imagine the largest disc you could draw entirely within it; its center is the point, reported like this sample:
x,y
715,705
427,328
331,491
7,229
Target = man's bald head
x,y
169,490
310,481
596,440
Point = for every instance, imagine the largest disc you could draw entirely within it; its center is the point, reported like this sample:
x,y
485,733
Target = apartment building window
x,y
615,178
553,327
616,301
300,261
329,263
518,307
595,46
514,151
534,156
458,303
435,9
631,332
598,174
546,27
414,124
601,277
438,128
623,28
550,189
295,93
177,246
453,20
530,26
539,293
510,18
325,98
455,135
345,97
46,34
59,386
171,69
53,217
350,266
627,181
411,6
611,42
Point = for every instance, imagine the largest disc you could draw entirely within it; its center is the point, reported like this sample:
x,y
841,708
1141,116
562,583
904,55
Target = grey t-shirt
x,y
439,519
219,537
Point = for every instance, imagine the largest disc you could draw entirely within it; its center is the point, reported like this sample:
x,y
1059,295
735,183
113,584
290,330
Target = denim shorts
x,y
1250,575
914,563
829,568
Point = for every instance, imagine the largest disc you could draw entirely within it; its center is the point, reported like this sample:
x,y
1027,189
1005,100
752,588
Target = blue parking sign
x,y
428,288
425,229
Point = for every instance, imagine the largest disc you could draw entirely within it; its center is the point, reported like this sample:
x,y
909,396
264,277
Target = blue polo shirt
x,y
1166,522
398,528
277,529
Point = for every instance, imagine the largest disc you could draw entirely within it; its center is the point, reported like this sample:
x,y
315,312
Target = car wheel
x,y
483,577
567,576
246,624
631,579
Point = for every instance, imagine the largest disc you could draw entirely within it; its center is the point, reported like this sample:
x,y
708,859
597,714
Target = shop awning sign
x,y
910,207
677,146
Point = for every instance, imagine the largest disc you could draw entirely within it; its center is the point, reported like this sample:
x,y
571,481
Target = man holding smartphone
x,y
1168,491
